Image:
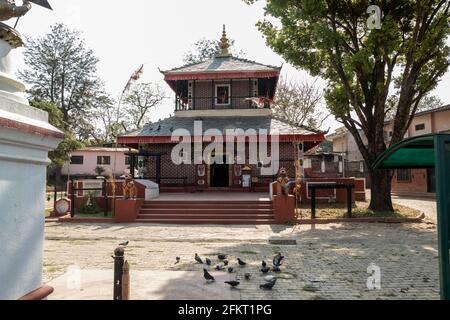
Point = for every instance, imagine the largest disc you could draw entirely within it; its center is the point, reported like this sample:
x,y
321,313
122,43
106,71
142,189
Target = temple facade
x,y
223,135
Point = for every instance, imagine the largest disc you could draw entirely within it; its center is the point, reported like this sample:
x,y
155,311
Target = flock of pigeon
x,y
265,269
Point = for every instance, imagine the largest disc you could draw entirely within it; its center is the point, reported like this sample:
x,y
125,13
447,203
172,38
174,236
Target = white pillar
x,y
25,140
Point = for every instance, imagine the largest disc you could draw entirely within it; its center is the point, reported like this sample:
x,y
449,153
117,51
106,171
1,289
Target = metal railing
x,y
211,103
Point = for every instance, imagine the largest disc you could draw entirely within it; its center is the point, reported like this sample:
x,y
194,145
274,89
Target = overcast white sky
x,y
126,34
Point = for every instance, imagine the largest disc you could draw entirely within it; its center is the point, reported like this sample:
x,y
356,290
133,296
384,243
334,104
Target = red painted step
x,y
207,212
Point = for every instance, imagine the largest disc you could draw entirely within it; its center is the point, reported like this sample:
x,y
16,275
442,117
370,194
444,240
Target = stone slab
x,y
145,285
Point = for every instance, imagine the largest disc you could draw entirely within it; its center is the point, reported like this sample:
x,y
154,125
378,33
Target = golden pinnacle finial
x,y
224,44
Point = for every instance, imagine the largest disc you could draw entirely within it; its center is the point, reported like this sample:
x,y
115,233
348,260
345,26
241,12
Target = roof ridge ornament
x,y
224,44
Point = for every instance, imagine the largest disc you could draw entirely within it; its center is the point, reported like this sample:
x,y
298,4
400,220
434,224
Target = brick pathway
x,y
328,262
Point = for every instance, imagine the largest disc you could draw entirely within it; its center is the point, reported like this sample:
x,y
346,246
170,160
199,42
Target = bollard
x,y
118,272
126,281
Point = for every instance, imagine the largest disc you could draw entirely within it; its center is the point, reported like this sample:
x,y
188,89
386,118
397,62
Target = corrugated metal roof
x,y
222,64
165,128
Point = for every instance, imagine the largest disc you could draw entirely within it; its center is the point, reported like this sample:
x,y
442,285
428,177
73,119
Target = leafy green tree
x,y
62,70
365,66
205,49
60,155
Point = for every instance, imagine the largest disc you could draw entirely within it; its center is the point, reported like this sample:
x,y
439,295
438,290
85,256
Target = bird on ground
x,y
264,264
233,284
222,256
268,285
124,244
248,276
241,263
270,278
265,269
276,269
208,276
198,259
208,261
220,268
230,270
225,262
178,260
278,260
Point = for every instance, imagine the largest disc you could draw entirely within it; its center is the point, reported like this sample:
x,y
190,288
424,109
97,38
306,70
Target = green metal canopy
x,y
429,151
412,153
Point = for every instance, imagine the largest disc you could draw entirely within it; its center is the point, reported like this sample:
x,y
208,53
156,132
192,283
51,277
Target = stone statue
x,y
282,182
8,9
129,188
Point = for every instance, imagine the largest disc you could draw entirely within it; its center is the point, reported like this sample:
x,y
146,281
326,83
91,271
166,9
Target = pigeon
x,y
230,270
178,260
222,257
248,276
220,268
276,269
225,262
264,264
278,260
124,244
270,278
241,263
207,276
208,261
198,259
265,269
233,284
268,285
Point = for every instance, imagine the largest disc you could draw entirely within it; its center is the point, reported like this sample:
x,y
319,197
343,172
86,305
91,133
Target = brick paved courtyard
x,y
328,262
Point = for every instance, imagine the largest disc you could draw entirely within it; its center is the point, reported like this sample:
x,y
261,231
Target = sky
x,y
127,34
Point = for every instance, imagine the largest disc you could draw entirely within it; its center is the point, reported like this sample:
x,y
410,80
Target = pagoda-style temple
x,y
220,94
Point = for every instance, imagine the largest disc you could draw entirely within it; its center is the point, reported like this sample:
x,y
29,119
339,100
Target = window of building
x,y
223,94
404,175
420,127
102,160
77,160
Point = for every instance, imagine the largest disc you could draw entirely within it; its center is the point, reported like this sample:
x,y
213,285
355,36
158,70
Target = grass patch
x,y
360,210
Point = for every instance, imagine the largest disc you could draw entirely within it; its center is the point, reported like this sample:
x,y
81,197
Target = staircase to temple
x,y
207,212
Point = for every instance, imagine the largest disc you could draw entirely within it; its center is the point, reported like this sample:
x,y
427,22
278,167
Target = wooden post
x,y
349,201
72,198
313,203
105,195
126,281
118,272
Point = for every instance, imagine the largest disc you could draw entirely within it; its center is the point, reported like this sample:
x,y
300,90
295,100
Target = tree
x,y
428,102
62,70
139,100
364,67
299,103
60,155
205,49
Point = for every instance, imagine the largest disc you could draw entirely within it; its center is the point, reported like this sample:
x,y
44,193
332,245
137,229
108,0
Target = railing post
x,y
118,272
126,281
105,194
349,201
313,203
72,198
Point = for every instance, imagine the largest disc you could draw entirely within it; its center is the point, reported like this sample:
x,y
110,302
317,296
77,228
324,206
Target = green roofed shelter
x,y
428,151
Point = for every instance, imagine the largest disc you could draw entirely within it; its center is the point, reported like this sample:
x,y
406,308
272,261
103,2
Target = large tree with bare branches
x,y
300,103
365,66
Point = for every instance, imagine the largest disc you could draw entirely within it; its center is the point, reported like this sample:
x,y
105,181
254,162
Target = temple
x,y
212,98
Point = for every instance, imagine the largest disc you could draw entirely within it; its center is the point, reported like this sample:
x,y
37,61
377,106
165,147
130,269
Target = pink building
x,y
83,163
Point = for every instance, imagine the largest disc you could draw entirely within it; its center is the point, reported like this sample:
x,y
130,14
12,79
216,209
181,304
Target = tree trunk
x,y
58,176
381,200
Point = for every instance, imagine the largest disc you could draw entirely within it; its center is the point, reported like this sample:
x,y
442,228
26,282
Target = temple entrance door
x,y
220,175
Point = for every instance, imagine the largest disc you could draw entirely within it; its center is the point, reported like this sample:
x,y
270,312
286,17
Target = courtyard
x,y
327,262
